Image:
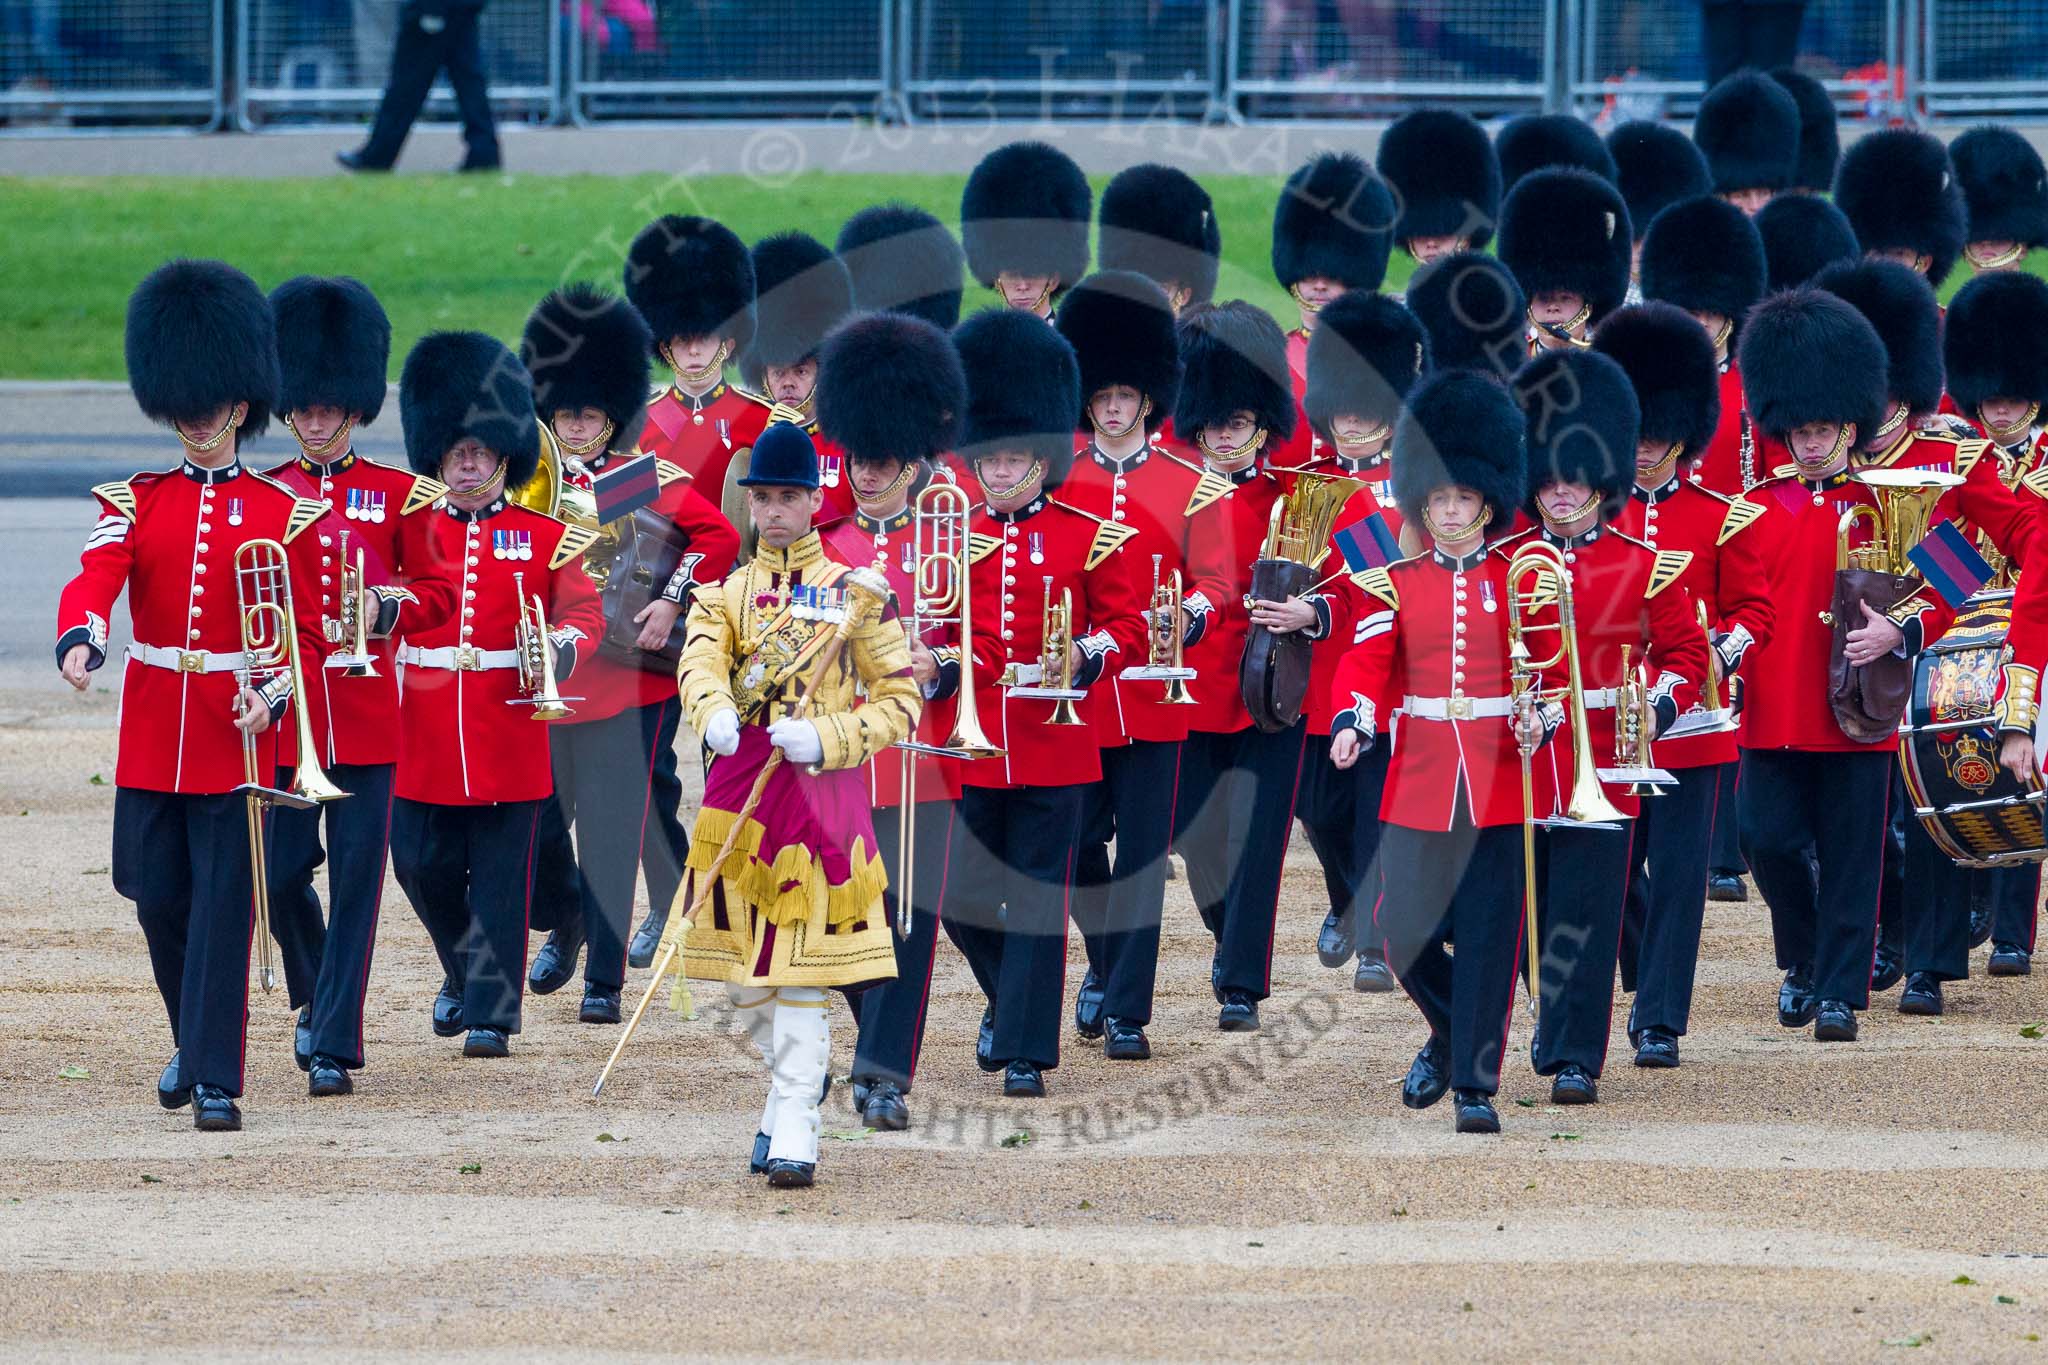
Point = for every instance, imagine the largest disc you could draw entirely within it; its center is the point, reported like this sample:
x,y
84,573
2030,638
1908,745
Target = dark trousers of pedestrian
x,y
358,836
468,871
1936,907
1010,865
1727,857
890,1015
428,44
1118,905
2015,902
1667,898
1759,33
1467,882
1824,907
184,861
1581,879
1232,817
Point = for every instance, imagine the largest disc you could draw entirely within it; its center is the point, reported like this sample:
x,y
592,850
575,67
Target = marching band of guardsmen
x,y
1671,375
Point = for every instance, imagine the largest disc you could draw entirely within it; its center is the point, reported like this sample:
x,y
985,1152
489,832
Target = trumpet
x,y
1163,653
350,624
1632,724
270,649
1056,674
536,661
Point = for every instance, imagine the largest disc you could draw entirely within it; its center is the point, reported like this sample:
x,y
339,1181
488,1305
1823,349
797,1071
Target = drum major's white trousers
x,y
789,1028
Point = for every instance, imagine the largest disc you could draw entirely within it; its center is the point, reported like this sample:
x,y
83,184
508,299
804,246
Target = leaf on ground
x,y
1525,1104
2032,1030
2003,1298
849,1134
95,872
1254,1244
1401,1212
1962,1279
1465,1307
151,1180
607,1137
1087,1204
74,1073
1917,1339
1564,1137
97,780
1020,1138
470,1168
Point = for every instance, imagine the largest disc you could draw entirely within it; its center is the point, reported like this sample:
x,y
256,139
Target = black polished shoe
x,y
1574,1085
758,1164
487,1042
172,1092
863,1086
555,963
1216,981
1922,994
1726,886
1240,1013
1124,1041
647,938
355,161
1834,1022
1475,1113
785,1174
1337,940
1374,976
884,1109
1980,925
1887,967
1022,1080
1795,997
1429,1075
1088,1006
985,1042
600,1005
448,1009
213,1111
326,1076
302,1038
1657,1047
2009,959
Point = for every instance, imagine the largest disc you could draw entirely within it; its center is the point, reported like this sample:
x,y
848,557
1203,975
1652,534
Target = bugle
x,y
350,625
1164,640
536,659
1055,651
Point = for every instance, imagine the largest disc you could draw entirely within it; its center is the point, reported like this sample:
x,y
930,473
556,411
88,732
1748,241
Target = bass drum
x,y
1977,812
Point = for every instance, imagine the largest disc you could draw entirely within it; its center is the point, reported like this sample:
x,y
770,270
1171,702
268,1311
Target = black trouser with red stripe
x,y
1466,883
184,861
358,835
1231,821
1581,878
890,1015
1010,864
1667,898
468,871
1119,909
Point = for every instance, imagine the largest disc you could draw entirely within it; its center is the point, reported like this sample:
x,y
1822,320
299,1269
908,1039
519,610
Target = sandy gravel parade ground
x,y
1239,1196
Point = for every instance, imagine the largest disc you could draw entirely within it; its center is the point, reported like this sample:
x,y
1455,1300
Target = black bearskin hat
x,y
1023,389
1655,166
1820,143
588,348
1156,220
1670,361
458,384
1364,356
1334,218
1121,328
1748,129
1531,142
1583,421
333,346
1899,192
201,337
803,293
890,388
903,259
1568,230
1900,306
1235,360
1473,312
1461,428
1025,210
1705,256
691,277
1807,356
1994,340
1443,174
2005,188
1803,235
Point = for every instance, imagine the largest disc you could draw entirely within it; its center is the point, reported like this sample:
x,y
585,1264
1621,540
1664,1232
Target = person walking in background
x,y
433,35
1759,33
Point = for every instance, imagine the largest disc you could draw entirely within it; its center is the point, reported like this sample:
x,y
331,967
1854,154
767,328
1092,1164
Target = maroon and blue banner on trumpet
x,y
1950,564
1368,544
624,489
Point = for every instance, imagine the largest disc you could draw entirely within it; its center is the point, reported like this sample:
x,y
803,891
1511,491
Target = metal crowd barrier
x,y
1982,57
315,62
111,63
1130,59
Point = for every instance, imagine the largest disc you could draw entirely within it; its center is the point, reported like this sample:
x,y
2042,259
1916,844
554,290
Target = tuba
x,y
1869,700
1163,661
1273,674
536,662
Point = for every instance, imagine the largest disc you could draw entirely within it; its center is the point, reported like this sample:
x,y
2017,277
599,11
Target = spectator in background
x,y
376,33
1759,33
433,35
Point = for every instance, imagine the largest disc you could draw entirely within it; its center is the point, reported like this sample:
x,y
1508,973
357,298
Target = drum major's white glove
x,y
798,739
722,732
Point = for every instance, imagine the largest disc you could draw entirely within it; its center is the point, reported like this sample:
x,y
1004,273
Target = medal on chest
x,y
517,545
234,511
830,473
724,431
909,560
1487,603
365,504
1038,547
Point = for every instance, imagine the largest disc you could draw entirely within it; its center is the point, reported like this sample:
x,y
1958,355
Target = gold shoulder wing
x,y
1669,565
1377,582
575,540
119,495
425,492
1969,450
1109,536
2035,481
305,511
667,472
980,546
1741,512
1210,488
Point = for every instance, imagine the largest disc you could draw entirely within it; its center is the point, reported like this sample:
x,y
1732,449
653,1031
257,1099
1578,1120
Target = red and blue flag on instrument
x,y
624,489
1368,544
1950,564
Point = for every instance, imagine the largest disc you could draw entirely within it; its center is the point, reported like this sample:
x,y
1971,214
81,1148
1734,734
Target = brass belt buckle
x,y
191,661
1459,708
466,660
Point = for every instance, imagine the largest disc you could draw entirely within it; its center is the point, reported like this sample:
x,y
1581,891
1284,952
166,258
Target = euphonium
x,y
550,491
1898,520
1273,672
536,664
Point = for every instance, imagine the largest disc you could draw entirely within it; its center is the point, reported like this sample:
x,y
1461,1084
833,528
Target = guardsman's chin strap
x,y
589,447
318,453
710,371
236,415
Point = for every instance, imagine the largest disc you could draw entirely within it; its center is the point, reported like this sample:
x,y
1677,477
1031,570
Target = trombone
x,y
270,649
351,626
536,662
939,596
1538,578
1163,661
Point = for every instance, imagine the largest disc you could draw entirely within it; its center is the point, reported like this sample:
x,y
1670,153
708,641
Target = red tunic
x,y
1011,555
702,436
1224,539
461,740
170,539
1719,468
